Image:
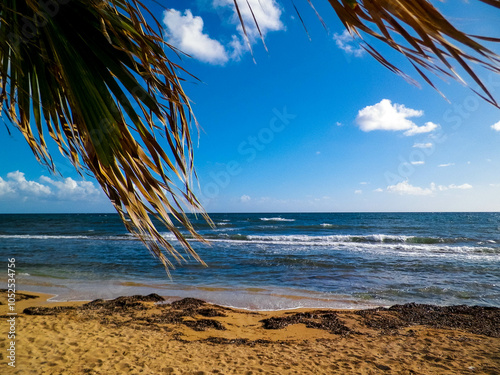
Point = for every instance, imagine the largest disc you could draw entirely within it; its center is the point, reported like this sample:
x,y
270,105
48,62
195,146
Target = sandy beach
x,y
141,335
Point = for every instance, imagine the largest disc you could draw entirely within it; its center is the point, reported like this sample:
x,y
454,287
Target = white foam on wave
x,y
376,246
275,219
299,239
58,237
386,237
325,239
290,239
42,237
169,236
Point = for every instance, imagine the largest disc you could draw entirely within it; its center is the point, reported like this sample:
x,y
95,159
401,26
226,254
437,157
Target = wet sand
x,y
142,335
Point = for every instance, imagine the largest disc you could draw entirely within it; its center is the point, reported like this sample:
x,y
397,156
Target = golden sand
x,y
135,337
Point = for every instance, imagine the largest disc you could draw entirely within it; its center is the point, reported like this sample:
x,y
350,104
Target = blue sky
x,y
311,125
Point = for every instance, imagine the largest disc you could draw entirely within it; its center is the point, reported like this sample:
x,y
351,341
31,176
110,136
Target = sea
x,y
266,261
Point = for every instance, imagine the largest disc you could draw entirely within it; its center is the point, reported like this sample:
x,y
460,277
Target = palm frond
x,y
417,30
428,39
94,77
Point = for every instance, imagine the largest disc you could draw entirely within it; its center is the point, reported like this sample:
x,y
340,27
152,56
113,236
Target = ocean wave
x,y
328,225
275,219
42,237
401,244
292,239
62,237
320,228
373,238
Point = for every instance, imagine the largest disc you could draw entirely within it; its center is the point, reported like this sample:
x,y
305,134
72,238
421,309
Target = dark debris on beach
x,y
47,310
183,311
19,296
479,320
325,320
121,303
196,314
204,324
246,342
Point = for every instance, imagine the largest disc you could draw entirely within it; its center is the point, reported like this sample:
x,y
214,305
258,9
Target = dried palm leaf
x,y
95,77
417,30
429,40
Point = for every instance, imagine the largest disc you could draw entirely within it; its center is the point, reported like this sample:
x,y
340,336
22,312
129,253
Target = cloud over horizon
x,y
16,186
16,183
392,117
245,198
405,188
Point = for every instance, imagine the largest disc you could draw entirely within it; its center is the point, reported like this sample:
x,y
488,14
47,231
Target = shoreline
x,y
239,297
136,335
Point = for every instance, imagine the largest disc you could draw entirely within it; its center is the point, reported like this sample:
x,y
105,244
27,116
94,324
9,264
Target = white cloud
x,y
266,12
348,44
496,126
245,198
358,191
404,188
446,165
462,187
386,116
392,117
363,183
427,128
16,186
5,187
422,145
420,162
18,183
69,189
453,186
186,33
237,48
378,190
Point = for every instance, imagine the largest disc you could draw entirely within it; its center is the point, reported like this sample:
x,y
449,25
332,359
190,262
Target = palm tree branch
x,y
95,75
433,41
